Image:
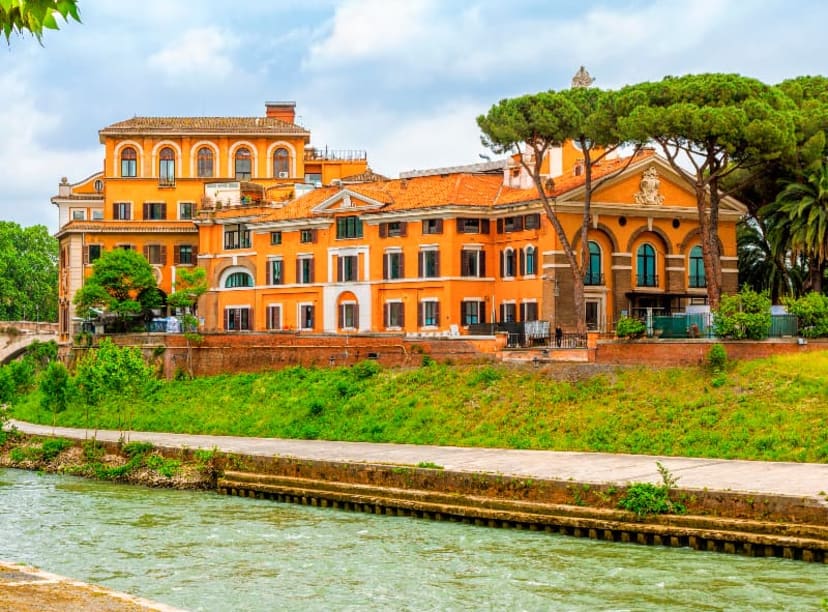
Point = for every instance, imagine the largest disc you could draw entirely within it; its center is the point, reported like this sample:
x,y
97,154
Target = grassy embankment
x,y
769,409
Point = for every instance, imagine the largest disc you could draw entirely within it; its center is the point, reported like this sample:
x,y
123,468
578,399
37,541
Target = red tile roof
x,y
264,126
129,227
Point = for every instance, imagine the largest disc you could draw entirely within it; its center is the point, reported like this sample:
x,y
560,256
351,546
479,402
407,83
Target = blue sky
x,y
402,79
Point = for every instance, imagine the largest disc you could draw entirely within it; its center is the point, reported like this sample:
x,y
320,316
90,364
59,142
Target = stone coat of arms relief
x,y
648,194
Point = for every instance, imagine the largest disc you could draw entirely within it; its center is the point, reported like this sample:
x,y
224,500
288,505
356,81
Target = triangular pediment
x,y
347,200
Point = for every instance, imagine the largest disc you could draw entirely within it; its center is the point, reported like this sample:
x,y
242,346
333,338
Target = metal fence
x,y
700,325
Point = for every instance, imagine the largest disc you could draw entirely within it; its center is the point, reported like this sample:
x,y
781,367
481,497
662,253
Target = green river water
x,y
202,551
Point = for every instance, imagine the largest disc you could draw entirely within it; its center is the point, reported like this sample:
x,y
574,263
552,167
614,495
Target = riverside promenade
x,y
802,480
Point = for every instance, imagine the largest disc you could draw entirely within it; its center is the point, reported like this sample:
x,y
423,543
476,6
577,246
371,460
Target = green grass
x,y
771,409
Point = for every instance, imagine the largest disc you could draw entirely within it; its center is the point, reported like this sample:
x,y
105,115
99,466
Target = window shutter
x,y
402,314
420,309
385,257
500,226
383,230
502,313
115,210
523,311
163,254
464,263
340,316
338,263
176,255
402,265
482,263
146,252
484,226
298,271
518,224
459,225
462,313
502,262
481,311
313,235
128,211
85,255
270,276
164,210
226,318
356,316
146,211
522,262
436,263
420,262
437,313
403,228
439,226
386,314
195,254
310,275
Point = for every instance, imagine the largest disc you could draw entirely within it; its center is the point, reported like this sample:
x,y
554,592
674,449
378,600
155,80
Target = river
x,y
202,551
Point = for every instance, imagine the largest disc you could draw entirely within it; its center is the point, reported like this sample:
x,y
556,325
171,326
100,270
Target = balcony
x,y
314,154
166,181
646,280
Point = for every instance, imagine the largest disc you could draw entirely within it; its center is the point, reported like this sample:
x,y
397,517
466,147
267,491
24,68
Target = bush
x,y
628,327
745,315
717,357
365,369
645,498
812,312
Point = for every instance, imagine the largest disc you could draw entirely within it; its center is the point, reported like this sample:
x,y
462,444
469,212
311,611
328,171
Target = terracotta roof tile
x,y
203,125
130,227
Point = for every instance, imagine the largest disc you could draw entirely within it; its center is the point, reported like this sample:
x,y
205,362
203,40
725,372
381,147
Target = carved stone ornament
x,y
648,194
582,78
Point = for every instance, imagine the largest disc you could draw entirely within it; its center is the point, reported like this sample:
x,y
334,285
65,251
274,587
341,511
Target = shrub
x,y
365,369
745,315
53,447
717,357
646,498
812,312
427,361
484,376
135,449
628,327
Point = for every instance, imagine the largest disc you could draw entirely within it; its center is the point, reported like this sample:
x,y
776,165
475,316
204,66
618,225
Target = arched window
x,y
646,266
281,163
238,279
166,166
129,162
697,278
594,275
205,162
531,266
243,165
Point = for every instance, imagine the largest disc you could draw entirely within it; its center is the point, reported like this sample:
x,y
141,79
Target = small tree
x,y
745,315
190,285
54,386
122,283
812,312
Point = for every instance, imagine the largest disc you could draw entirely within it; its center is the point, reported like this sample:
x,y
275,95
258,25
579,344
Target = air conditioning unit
x,y
283,175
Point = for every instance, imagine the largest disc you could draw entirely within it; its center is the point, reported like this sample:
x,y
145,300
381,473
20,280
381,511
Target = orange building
x,y
439,252
159,172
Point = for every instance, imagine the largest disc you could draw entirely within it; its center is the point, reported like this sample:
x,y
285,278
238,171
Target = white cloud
x,y
197,54
28,171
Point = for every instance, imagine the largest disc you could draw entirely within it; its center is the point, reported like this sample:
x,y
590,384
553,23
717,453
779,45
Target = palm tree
x,y
766,264
803,217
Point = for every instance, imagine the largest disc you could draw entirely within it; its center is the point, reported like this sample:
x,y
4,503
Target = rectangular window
x,y
508,313
93,253
347,269
185,210
348,227
97,215
393,229
237,319
275,238
314,178
472,263
306,316
394,315
509,224
432,226
472,226
532,221
78,214
304,270
155,211
472,312
529,311
156,254
274,316
185,255
393,265
275,272
307,236
429,263
122,211
429,314
348,316
236,237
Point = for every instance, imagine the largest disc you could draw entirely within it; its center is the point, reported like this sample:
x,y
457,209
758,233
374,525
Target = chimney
x,y
285,111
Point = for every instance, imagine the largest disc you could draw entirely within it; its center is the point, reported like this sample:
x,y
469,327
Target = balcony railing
x,y
697,281
314,154
166,181
646,280
593,279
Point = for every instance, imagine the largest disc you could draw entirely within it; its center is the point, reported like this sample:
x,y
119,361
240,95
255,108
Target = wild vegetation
x,y
769,409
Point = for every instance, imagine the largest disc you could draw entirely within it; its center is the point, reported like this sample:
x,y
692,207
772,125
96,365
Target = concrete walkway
x,y
795,479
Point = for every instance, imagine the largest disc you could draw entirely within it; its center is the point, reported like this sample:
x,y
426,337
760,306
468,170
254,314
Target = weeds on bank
x,y
646,498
